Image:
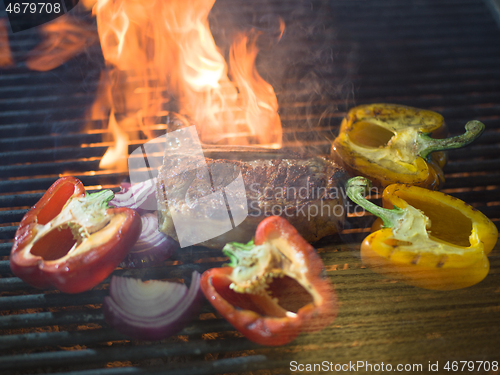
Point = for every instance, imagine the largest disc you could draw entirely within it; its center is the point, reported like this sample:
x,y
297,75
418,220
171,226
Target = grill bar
x,y
224,365
218,366
42,319
116,354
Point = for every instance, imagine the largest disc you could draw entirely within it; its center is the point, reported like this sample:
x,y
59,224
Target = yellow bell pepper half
x,y
389,143
428,239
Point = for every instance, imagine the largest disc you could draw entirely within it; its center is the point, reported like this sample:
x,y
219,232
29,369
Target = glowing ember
x,y
158,51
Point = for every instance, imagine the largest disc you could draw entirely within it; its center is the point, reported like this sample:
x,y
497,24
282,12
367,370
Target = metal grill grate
x,y
439,55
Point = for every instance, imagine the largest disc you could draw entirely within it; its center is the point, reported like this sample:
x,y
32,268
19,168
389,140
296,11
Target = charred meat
x,y
212,202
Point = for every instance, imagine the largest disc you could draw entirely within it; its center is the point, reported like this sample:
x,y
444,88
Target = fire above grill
x,y
438,55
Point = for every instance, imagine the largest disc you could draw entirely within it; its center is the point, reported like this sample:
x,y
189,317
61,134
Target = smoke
x,y
310,70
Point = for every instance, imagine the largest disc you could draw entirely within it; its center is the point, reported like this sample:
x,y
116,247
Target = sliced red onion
x,y
151,310
152,247
141,196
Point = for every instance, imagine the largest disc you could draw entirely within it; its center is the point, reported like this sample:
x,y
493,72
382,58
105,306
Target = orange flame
x,y
116,154
163,57
65,37
5,54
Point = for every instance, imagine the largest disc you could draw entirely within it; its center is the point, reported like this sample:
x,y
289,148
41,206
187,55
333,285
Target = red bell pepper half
x,y
72,240
274,287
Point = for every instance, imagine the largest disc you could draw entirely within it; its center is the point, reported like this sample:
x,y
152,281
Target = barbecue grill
x,y
442,55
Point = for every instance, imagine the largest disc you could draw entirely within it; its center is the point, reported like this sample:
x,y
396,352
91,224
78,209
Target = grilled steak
x,y
195,196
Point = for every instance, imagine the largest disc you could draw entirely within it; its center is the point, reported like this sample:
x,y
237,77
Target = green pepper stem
x,y
234,250
427,144
100,198
85,215
357,187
